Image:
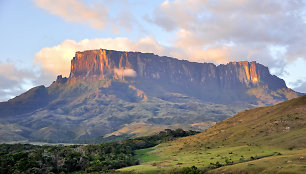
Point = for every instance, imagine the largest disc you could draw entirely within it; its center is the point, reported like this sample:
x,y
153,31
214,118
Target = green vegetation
x,y
87,158
186,170
289,162
157,160
261,140
43,159
144,155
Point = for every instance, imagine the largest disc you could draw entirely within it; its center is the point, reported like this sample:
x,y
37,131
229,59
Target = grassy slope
x,y
273,135
293,162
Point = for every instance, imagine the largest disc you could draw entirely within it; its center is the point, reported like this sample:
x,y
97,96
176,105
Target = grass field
x,y
253,158
145,155
292,162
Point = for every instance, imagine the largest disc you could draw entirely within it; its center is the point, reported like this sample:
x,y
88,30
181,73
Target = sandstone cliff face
x,y
135,66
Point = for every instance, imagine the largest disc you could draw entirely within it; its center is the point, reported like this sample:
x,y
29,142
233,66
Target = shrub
x,y
186,170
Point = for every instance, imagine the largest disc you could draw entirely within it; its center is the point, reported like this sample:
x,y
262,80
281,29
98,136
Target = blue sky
x,y
39,37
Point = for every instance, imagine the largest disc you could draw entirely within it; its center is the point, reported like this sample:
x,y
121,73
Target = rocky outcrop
x,y
61,80
135,66
248,74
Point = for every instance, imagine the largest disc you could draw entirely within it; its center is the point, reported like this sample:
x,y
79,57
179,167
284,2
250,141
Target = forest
x,y
104,157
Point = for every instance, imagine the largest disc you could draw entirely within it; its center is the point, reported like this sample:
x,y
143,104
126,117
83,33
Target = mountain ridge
x,y
110,90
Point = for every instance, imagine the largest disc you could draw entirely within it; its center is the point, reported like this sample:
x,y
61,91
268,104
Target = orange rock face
x,y
135,66
247,72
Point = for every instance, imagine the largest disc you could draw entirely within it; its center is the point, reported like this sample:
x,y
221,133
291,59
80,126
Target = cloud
x,y
8,70
116,15
294,73
56,60
14,81
94,14
127,72
300,86
227,30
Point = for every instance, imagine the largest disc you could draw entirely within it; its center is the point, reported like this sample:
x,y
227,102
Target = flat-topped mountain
x,y
153,74
105,64
110,90
135,66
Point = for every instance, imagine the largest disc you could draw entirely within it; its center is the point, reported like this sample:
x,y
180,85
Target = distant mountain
x,y
235,82
110,90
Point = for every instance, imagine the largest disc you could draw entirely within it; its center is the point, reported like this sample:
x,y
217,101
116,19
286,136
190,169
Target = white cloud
x,y
294,73
12,73
300,86
114,15
230,30
94,14
14,81
127,72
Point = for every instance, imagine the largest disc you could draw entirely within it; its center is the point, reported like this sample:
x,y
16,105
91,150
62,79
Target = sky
x,y
39,37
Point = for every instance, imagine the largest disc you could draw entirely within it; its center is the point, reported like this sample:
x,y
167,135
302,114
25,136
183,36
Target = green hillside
x,y
261,140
